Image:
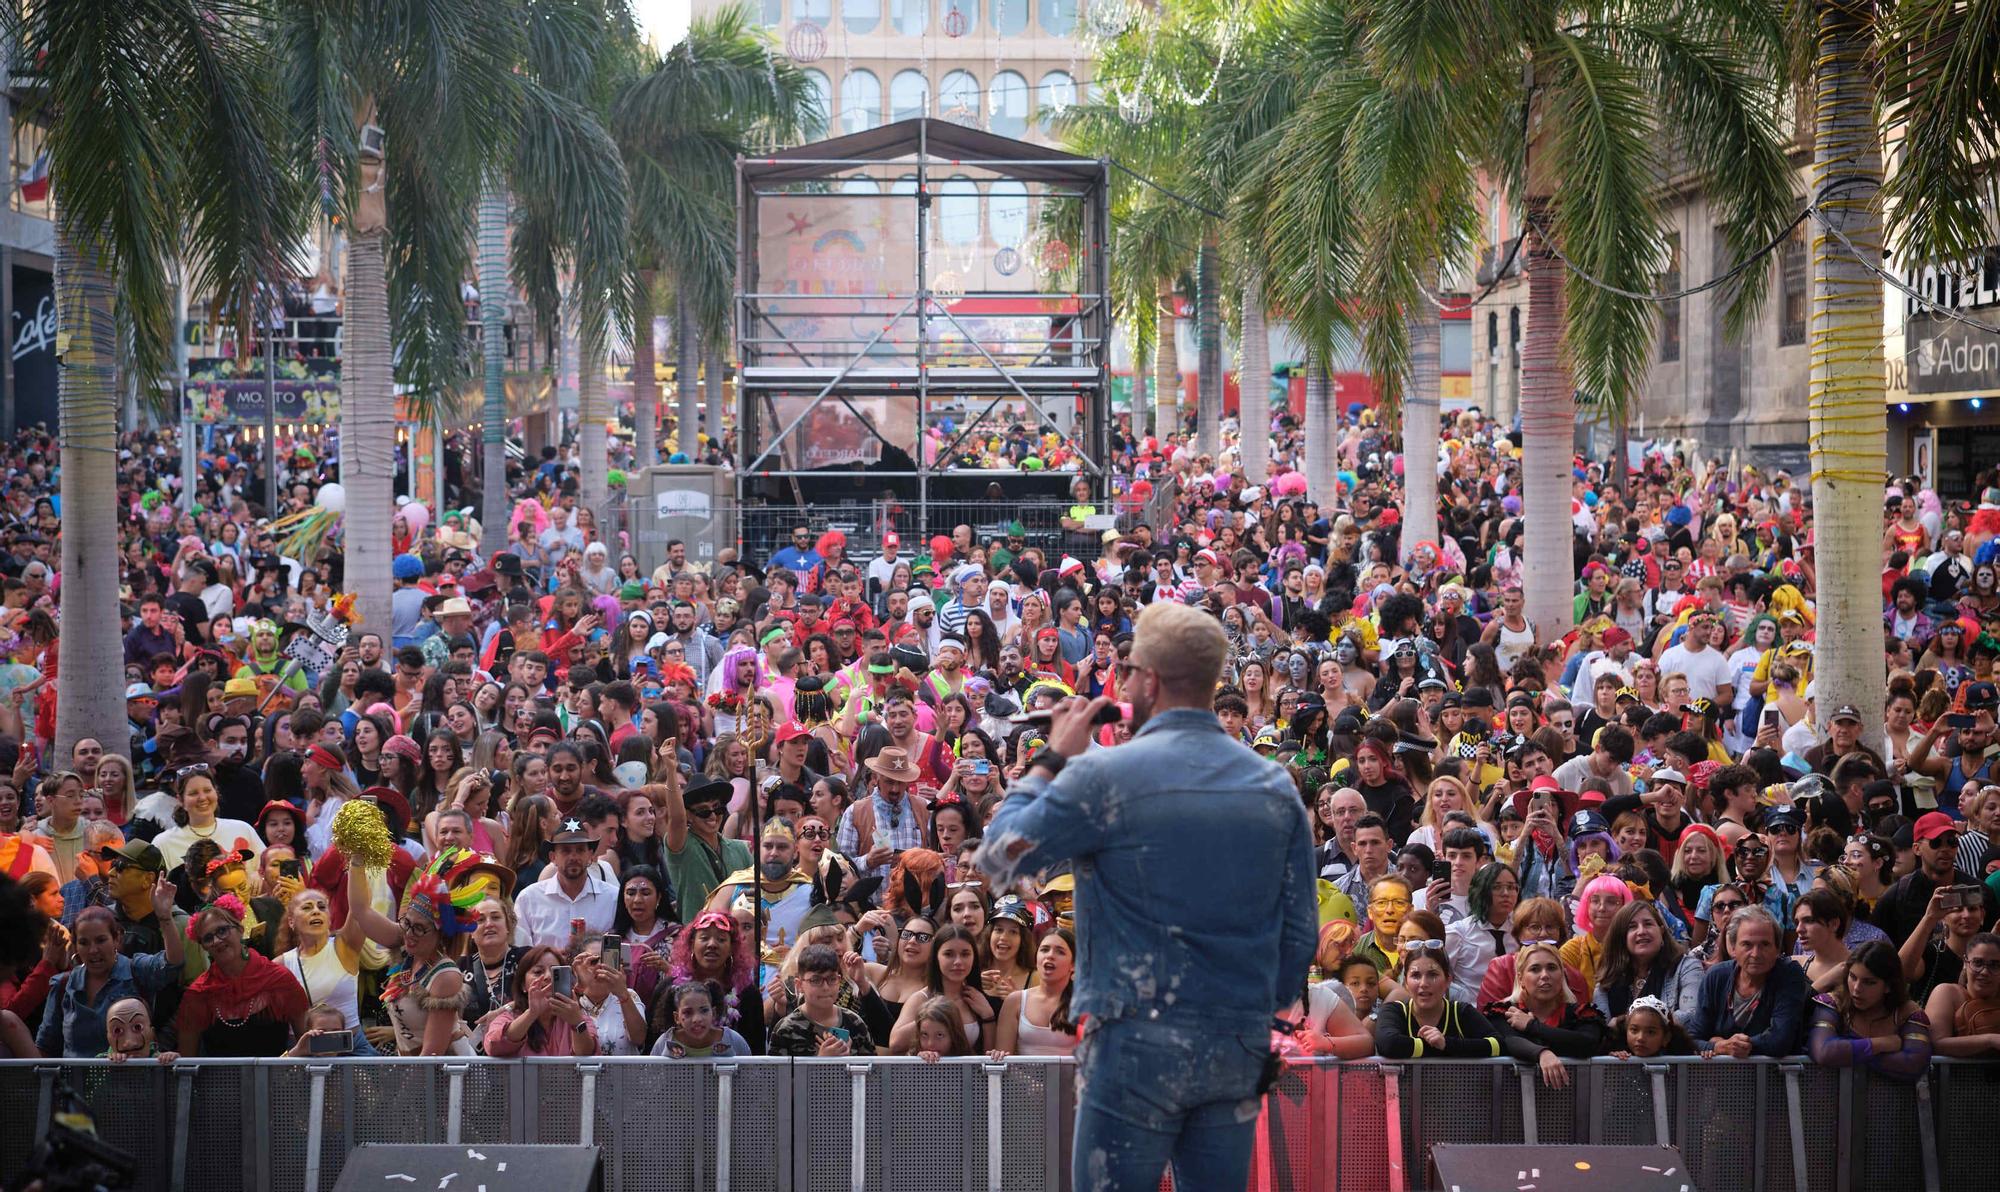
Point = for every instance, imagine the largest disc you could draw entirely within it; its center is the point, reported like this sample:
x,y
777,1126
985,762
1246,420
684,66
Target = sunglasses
x,y
914,937
709,812
1424,945
1731,905
817,834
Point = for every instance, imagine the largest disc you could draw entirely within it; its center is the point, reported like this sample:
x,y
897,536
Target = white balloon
x,y
331,497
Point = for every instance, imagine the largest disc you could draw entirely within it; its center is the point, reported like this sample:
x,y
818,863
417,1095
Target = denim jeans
x,y
1160,1091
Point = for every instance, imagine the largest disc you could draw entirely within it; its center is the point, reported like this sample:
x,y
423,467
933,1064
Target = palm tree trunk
x,y
89,702
1253,383
367,431
687,437
1846,421
594,452
1143,414
1320,418
493,288
1166,369
1548,436
1208,352
1420,428
715,373
645,385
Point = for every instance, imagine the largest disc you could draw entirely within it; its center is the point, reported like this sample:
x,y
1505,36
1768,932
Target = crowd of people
x,y
564,805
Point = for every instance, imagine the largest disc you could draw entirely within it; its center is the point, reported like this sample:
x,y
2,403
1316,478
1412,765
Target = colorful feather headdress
x,y
450,887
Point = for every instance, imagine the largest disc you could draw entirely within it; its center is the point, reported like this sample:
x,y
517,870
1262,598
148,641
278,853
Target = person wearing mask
x,y
73,1019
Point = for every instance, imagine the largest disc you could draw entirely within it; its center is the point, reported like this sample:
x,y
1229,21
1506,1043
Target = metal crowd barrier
x,y
969,1125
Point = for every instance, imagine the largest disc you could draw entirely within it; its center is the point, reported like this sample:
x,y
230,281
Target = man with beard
x,y
786,892
237,782
946,677
566,785
1170,1013
703,651
548,910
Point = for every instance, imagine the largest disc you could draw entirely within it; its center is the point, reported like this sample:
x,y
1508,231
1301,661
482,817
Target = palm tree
x,y
1253,378
681,122
1584,114
161,130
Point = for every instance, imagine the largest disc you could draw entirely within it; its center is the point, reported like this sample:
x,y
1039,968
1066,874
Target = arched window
x,y
958,98
1007,213
1007,104
1058,17
771,13
906,185
819,12
860,101
822,89
1054,95
910,17
1010,17
909,96
859,186
958,211
861,16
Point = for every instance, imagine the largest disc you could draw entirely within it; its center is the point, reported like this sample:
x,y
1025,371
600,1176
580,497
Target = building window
x,y
861,16
822,89
1514,333
1792,289
909,96
958,211
771,13
29,143
1010,17
1054,95
1670,312
860,101
910,17
1058,17
958,98
1007,212
1007,104
819,12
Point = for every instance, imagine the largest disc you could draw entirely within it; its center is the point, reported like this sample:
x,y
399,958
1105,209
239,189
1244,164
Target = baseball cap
x,y
140,691
1784,816
1845,712
790,730
891,539
1931,825
136,852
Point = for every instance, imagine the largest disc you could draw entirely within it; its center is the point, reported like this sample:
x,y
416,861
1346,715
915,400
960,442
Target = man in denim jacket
x,y
1195,911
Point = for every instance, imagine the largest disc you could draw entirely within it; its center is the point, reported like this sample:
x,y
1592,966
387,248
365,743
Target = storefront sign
x,y
34,347
1944,356
223,402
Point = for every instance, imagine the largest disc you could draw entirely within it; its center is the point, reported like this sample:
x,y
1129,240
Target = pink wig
x,y
1603,883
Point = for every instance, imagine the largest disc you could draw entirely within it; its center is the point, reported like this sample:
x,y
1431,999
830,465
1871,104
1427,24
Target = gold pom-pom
x,y
361,835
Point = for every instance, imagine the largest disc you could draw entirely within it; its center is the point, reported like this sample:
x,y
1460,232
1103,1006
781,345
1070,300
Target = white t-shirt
x,y
881,571
1706,672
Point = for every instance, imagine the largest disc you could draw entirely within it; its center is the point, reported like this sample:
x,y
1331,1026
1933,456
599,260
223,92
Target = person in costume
x,y
263,658
715,947
245,1004
786,892
326,964
426,993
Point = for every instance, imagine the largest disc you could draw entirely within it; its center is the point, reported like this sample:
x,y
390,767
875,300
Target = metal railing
x,y
1771,1125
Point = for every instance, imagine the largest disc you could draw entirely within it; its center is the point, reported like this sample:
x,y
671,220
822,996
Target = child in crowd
x,y
697,1032
128,1024
1649,1030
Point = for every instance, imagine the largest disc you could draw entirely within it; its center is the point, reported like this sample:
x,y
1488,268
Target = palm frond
x,y
1942,93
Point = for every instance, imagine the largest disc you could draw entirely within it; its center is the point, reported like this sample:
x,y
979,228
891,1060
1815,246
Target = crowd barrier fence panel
x,y
828,1125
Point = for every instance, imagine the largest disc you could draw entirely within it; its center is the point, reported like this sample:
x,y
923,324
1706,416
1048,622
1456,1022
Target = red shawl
x,y
263,985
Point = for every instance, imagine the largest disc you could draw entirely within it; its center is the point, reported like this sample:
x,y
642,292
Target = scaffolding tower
x,y
912,291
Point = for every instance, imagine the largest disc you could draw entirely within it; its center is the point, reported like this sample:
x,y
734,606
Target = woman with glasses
x,y
244,1004
426,993
1476,941
900,978
954,955
815,838
1965,1016
1540,1022
1723,903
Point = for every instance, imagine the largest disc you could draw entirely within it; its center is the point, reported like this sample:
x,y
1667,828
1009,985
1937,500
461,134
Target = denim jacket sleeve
x,y
1041,823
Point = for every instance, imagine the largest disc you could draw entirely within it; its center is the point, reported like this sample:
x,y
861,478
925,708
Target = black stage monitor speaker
x,y
1558,1169
394,1167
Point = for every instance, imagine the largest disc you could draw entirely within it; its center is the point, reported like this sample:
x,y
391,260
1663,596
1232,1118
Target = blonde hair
x,y
125,799
1184,646
1521,971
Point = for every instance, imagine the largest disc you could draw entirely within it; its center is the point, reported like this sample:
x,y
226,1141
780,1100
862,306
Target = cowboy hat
x,y
895,764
